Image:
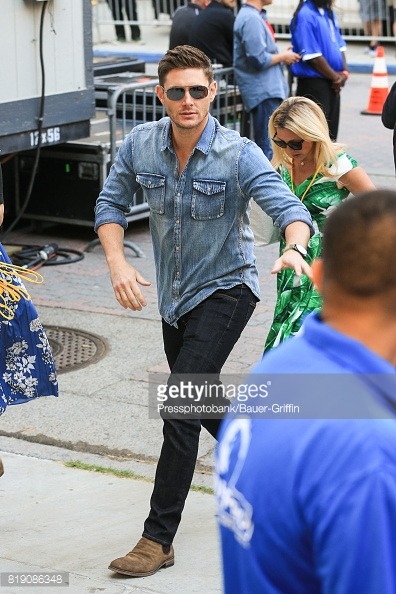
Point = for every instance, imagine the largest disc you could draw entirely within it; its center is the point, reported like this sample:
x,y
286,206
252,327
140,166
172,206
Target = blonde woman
x,y
321,174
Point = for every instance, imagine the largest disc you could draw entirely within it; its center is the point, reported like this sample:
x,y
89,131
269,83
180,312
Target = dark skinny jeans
x,y
200,345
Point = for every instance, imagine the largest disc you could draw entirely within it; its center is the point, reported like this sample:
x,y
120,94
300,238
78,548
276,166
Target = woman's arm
x,y
357,180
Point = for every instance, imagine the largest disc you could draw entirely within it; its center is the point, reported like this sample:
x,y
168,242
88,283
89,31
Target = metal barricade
x,y
348,15
136,103
151,12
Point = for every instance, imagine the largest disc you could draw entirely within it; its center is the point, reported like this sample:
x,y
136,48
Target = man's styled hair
x,y
184,56
359,246
306,119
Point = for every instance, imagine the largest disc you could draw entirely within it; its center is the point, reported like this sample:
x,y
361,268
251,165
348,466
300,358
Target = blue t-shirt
x,y
317,34
308,506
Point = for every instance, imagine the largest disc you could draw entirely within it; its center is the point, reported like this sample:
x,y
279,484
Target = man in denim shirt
x,y
197,178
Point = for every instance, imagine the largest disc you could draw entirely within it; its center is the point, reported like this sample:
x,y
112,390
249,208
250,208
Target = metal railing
x,y
131,104
150,12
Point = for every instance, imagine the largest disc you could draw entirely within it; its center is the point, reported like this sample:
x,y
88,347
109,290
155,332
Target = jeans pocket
x,y
250,310
153,187
208,199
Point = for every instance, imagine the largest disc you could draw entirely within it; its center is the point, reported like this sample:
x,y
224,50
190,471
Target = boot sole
x,y
168,563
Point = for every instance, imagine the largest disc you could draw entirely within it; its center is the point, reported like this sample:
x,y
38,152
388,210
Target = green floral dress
x,y
295,302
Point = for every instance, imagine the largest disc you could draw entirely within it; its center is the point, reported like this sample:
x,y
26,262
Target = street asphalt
x,y
67,509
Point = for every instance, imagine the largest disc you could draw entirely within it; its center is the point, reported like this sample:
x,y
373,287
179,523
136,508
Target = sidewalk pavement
x,y
155,42
64,519
57,519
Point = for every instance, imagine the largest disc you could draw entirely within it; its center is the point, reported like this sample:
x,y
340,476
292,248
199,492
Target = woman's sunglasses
x,y
196,92
295,145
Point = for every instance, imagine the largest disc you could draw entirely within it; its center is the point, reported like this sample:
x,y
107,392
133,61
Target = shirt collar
x,y
355,358
261,11
350,353
204,143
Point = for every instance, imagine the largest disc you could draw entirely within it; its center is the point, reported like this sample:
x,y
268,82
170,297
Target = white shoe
x,y
371,50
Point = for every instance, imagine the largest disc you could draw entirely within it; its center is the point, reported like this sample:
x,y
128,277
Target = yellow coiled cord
x,y
11,290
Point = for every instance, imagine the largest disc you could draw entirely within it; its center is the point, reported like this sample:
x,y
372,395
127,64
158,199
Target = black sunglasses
x,y
196,92
295,145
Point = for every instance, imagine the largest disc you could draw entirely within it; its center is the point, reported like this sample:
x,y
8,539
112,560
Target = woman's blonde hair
x,y
306,119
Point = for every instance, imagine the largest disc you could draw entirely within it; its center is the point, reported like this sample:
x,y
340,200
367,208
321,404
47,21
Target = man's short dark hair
x,y
184,56
359,245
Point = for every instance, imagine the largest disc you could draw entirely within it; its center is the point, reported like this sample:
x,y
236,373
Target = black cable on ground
x,y
34,256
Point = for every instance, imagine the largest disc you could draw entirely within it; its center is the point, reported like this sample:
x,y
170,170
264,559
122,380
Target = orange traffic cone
x,y
379,85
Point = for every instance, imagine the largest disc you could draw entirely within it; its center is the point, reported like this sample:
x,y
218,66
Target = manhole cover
x,y
73,349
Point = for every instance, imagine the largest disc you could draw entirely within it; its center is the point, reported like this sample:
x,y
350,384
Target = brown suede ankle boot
x,y
145,559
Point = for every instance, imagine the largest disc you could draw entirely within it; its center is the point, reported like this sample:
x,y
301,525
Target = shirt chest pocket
x,y
208,199
153,187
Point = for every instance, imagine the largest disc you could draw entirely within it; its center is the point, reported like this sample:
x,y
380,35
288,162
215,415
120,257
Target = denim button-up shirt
x,y
199,220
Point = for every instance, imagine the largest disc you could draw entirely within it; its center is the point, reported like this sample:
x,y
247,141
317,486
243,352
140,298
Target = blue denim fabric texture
x,y
261,115
254,46
199,220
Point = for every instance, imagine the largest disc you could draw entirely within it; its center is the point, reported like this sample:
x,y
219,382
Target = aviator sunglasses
x,y
295,145
177,93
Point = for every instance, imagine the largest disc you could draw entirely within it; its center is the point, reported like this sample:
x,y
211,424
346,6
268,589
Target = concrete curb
x,y
154,57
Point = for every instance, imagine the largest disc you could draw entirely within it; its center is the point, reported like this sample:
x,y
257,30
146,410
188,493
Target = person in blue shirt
x,y
198,179
306,494
322,72
258,68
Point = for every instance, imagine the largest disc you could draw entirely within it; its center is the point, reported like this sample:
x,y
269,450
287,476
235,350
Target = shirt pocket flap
x,y
208,199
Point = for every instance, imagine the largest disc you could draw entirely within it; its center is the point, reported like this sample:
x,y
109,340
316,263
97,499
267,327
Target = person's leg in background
x,y
372,13
261,115
131,11
392,17
320,91
116,11
155,9
200,345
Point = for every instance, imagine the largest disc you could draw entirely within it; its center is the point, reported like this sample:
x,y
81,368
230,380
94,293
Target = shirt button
x,y
177,221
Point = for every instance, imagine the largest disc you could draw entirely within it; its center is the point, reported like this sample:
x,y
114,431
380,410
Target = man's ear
x,y
317,274
212,91
159,91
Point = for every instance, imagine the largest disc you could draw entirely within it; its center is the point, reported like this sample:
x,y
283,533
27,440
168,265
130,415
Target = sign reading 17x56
x,y
48,136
